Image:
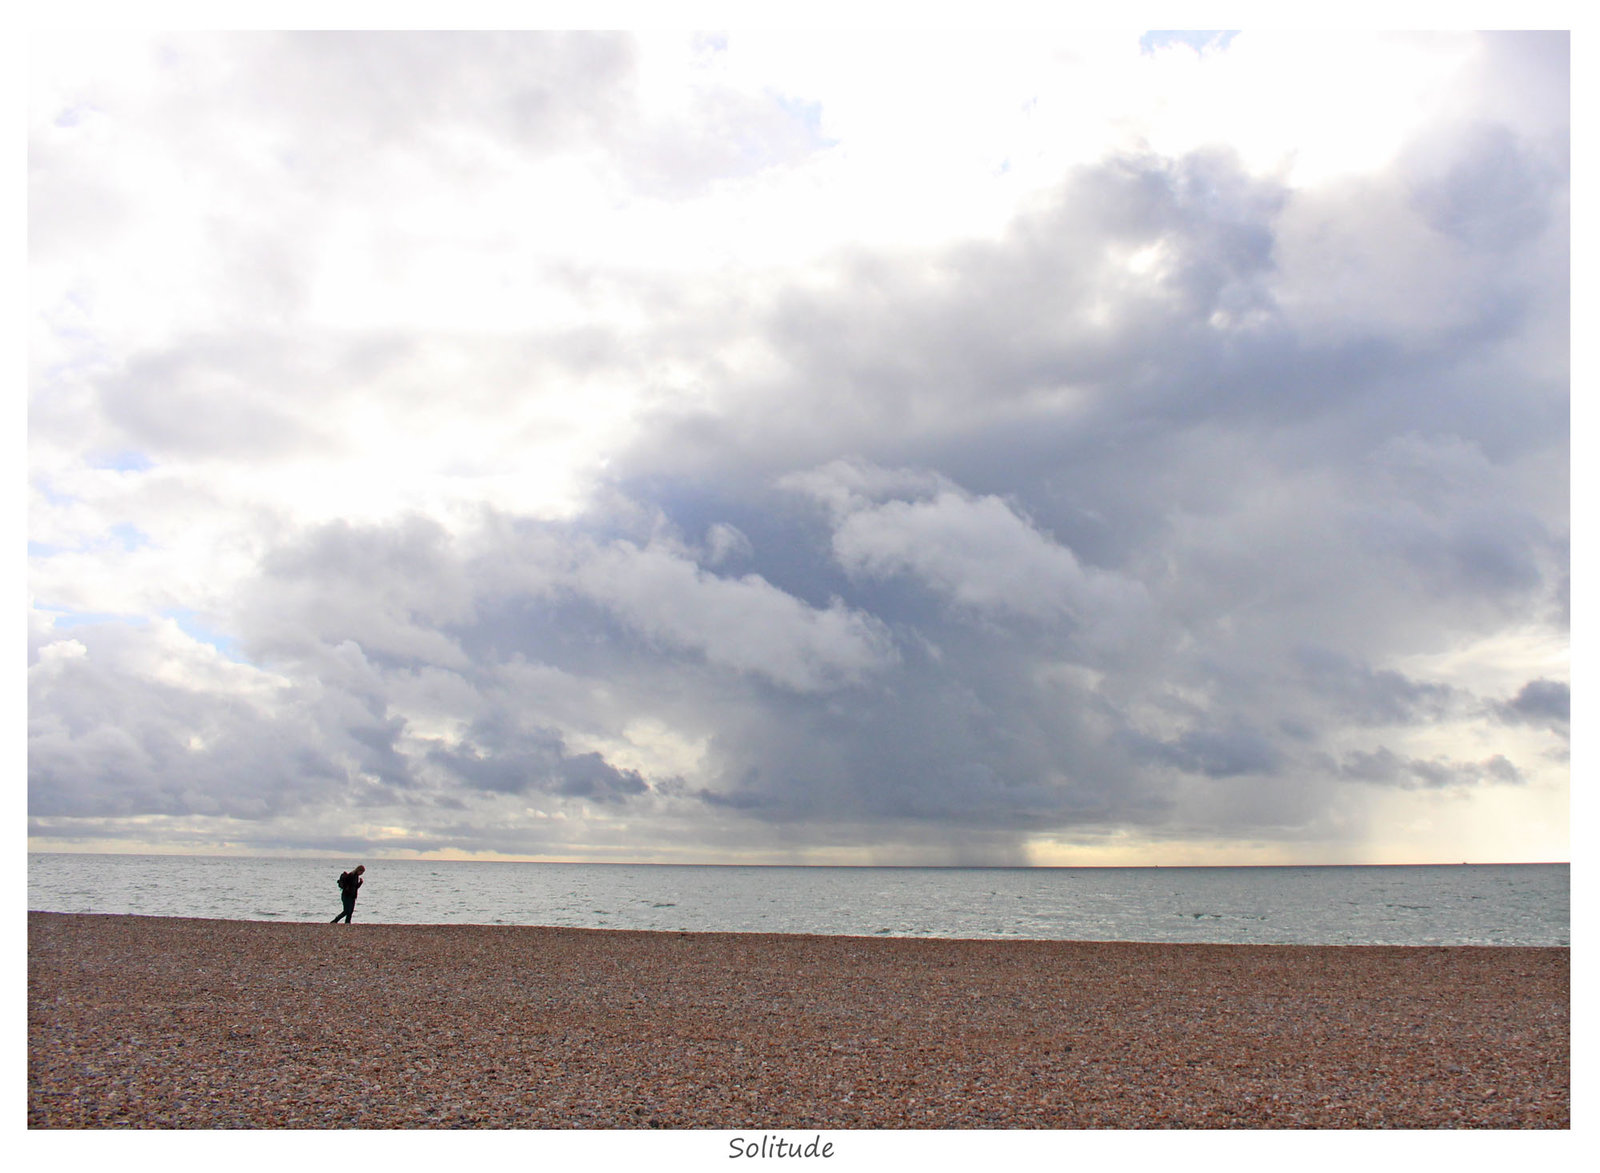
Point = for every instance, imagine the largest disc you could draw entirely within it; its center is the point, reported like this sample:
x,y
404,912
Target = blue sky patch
x,y
52,496
1200,40
195,630
129,536
123,461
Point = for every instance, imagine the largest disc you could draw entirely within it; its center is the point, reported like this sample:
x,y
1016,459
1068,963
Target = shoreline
x,y
783,934
149,1021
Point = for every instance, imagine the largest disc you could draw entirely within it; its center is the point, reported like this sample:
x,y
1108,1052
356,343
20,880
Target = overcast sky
x,y
770,447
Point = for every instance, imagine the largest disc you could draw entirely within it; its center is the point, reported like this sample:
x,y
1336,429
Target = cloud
x,y
136,721
1541,702
499,756
1214,753
1384,767
1367,697
388,591
613,446
976,552
745,624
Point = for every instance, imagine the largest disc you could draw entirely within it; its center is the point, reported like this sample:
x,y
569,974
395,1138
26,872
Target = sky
x,y
1068,448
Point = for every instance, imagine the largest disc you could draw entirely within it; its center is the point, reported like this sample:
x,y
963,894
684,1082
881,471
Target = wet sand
x,y
156,1022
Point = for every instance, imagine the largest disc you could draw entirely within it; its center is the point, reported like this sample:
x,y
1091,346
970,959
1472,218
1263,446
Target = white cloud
x,y
976,551
745,624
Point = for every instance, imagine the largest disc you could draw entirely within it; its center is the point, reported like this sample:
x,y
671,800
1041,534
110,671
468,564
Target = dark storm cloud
x,y
412,594
1048,323
1223,753
1545,703
1120,413
1385,767
498,755
1361,696
1494,191
1040,367
109,737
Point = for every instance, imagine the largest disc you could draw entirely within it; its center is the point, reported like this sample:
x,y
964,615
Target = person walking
x,y
349,882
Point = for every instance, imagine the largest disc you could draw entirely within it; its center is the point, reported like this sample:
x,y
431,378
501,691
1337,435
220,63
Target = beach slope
x,y
174,1023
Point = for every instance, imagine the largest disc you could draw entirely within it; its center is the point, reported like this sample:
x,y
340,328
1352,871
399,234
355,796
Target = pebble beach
x,y
158,1022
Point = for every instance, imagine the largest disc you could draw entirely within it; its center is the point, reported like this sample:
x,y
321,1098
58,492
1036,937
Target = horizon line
x,y
862,866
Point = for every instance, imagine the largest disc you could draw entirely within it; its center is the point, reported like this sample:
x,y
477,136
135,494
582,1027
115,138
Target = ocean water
x,y
1509,904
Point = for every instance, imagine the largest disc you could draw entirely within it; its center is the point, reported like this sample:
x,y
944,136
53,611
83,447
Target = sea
x,y
1481,904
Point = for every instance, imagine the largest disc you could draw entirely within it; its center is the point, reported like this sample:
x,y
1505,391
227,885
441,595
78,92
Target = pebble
x,y
157,1022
